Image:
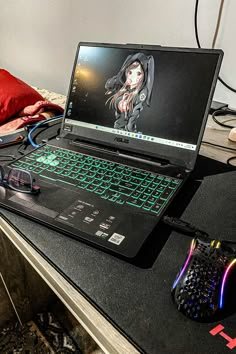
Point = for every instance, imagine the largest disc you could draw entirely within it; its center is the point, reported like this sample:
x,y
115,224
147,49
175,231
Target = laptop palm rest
x,y
85,215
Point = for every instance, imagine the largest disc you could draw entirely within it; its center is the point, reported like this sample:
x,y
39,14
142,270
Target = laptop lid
x,y
147,100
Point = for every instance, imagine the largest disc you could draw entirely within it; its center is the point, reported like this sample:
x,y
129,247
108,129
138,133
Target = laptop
x,y
130,135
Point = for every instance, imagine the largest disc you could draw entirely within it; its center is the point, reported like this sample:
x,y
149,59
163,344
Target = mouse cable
x,y
216,32
190,230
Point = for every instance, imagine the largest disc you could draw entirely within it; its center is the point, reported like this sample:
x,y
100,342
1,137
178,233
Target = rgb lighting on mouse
x,y
193,244
224,281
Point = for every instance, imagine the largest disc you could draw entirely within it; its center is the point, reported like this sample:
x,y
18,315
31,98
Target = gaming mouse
x,y
200,288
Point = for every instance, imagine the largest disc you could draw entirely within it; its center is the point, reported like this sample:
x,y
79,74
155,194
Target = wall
x,y
38,39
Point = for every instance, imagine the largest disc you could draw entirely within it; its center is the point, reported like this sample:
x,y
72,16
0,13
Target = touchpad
x,y
50,204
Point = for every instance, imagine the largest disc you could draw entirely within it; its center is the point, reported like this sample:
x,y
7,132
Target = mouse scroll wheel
x,y
215,244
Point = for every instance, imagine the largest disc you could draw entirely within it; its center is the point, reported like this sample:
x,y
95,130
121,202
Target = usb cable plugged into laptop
x,y
184,227
188,229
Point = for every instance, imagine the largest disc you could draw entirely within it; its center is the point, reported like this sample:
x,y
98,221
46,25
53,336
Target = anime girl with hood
x,y
130,89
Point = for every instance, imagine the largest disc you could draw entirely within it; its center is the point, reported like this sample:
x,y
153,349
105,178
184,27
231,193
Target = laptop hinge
x,y
134,157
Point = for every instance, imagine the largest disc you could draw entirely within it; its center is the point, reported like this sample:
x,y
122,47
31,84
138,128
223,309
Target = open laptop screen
x,y
148,99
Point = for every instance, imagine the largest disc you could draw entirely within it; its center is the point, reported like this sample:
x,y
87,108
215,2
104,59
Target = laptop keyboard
x,y
115,182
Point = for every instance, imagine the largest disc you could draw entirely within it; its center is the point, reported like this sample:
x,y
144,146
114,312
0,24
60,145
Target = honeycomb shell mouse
x,y
200,286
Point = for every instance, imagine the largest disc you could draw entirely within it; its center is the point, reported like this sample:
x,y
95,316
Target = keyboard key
x,y
140,189
106,179
97,182
144,197
147,206
138,175
160,188
65,173
167,179
109,173
135,180
160,201
136,202
91,187
150,178
87,179
126,172
176,181
82,185
117,176
164,183
119,169
38,170
167,192
135,194
120,200
172,185
157,208
105,184
50,168
148,191
151,200
108,194
113,198
120,189
145,183
99,190
126,178
111,168
90,174
127,185
156,194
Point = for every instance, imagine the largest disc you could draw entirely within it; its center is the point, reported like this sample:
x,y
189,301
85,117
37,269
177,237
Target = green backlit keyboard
x,y
115,182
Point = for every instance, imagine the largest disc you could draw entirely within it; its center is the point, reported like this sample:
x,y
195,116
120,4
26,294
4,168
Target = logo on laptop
x,y
121,140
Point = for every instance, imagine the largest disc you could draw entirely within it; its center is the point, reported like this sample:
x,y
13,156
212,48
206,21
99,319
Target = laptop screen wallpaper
x,y
155,95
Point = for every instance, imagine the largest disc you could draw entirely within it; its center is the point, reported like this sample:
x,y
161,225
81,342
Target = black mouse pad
x,y
138,301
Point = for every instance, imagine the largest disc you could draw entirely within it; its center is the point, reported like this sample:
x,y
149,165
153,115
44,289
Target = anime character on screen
x,y
130,88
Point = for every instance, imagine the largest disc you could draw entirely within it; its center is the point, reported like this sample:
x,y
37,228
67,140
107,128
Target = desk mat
x,y
138,300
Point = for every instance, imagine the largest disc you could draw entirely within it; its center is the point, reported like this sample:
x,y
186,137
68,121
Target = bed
x,y
22,104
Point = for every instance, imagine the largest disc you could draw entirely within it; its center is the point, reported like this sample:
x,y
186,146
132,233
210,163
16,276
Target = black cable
x,y
220,146
231,159
223,112
199,46
188,229
223,147
24,148
7,157
195,24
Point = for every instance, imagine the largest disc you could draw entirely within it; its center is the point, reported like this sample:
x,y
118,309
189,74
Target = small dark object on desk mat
x,y
43,335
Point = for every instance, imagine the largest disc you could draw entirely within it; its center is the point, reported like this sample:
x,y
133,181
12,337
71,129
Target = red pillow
x,y
14,95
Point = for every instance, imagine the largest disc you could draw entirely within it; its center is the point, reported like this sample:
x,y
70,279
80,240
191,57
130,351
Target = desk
x,y
100,329
217,135
120,305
